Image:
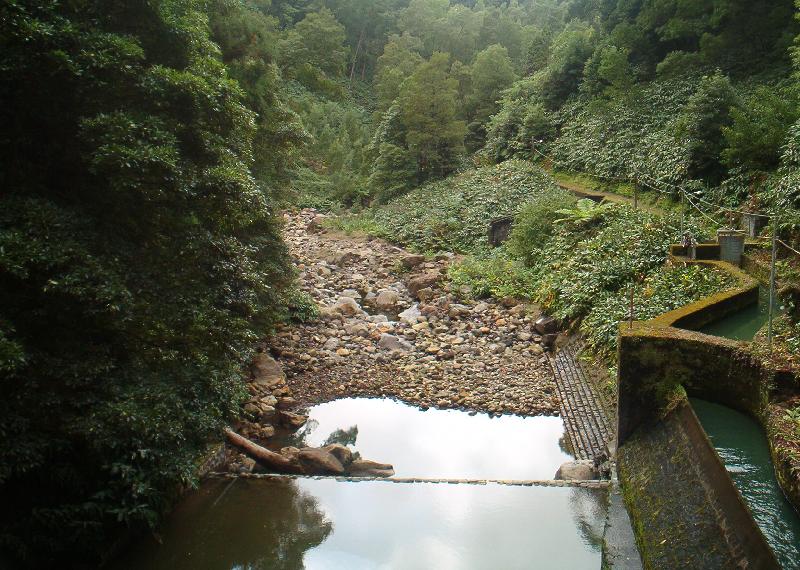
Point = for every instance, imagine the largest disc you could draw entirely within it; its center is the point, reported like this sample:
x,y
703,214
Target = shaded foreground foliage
x,y
139,262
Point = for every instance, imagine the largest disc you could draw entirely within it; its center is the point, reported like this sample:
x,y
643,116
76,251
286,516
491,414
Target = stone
x,y
426,294
480,308
292,419
391,342
340,452
411,315
315,461
316,224
576,471
412,260
366,468
286,403
387,299
343,258
347,306
331,344
266,370
425,280
546,325
351,293
356,329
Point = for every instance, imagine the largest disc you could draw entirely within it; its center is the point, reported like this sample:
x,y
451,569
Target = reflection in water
x,y
439,443
742,446
239,524
744,324
328,524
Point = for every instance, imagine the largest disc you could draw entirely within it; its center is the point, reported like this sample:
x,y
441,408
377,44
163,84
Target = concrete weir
x,y
686,510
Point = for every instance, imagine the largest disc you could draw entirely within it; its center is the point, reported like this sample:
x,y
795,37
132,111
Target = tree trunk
x,y
355,56
263,455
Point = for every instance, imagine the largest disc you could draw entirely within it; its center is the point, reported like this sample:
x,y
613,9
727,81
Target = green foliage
x,y
314,50
569,53
427,105
454,214
139,262
535,223
491,73
608,72
495,274
663,290
584,213
701,125
759,128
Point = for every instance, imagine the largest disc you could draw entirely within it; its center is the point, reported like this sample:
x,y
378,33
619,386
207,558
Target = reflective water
x,y
439,443
742,446
744,324
327,524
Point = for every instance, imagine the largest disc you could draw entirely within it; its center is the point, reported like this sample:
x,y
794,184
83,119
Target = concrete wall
x,y
662,449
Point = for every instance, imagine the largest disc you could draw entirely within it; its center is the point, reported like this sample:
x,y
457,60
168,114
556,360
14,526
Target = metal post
x,y
630,314
683,211
772,278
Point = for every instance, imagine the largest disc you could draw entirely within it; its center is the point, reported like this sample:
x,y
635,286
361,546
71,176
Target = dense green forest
x,y
147,148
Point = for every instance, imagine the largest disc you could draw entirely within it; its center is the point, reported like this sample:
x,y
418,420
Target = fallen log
x,y
263,455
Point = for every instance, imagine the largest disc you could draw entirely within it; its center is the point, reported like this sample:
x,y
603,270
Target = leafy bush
x,y
535,222
664,289
493,275
454,214
139,263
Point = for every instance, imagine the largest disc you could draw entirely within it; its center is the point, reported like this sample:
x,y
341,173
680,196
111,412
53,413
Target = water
x,y
327,524
744,324
742,446
439,443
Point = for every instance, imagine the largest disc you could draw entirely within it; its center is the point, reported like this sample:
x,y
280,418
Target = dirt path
x,y
389,327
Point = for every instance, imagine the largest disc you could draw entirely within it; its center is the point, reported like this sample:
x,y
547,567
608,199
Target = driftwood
x,y
263,455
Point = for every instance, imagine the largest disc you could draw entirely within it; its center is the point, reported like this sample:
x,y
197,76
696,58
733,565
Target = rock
x,y
267,414
340,452
315,225
347,306
480,308
411,315
342,258
426,294
292,419
546,325
576,471
331,344
266,370
425,280
286,403
387,299
356,329
366,468
391,342
412,260
351,293
315,461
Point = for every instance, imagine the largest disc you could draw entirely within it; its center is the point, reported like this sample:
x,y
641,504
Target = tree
x,y
491,73
314,50
399,60
701,125
607,73
139,263
427,104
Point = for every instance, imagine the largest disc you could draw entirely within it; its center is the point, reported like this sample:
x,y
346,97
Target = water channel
x,y
742,446
744,324
328,524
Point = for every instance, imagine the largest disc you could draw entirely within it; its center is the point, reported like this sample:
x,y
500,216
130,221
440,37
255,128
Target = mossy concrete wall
x,y
660,449
686,512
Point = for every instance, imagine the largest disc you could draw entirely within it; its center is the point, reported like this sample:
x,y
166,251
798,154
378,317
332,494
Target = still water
x,y
328,524
742,446
744,324
438,443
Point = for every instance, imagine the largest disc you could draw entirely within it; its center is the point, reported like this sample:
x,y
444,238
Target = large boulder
x,y
411,260
347,306
387,299
411,315
266,370
429,279
340,452
577,471
318,461
391,342
546,325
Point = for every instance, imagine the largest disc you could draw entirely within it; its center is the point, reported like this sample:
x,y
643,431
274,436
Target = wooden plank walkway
x,y
585,418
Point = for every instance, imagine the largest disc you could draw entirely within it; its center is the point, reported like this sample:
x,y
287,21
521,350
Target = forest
x,y
148,149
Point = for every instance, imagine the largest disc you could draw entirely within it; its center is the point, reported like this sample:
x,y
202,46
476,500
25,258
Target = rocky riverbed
x,y
390,327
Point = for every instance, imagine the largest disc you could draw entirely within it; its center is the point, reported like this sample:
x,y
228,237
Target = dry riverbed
x,y
389,327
